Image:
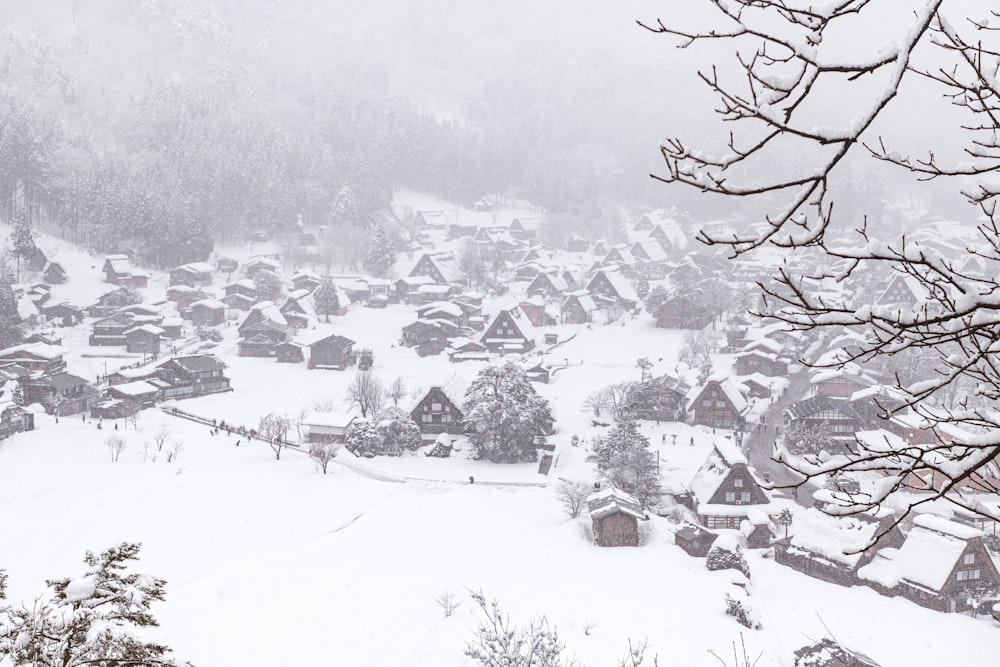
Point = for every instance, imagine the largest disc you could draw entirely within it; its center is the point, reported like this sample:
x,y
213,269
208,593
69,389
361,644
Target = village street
x,y
759,442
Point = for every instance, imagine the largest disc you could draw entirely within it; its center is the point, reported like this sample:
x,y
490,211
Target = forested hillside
x,y
154,126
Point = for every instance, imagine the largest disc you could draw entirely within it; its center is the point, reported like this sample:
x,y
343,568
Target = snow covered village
x,y
326,337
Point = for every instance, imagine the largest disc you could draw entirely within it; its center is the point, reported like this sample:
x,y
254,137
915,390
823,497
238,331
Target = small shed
x,y
695,540
615,518
208,312
289,352
829,653
54,274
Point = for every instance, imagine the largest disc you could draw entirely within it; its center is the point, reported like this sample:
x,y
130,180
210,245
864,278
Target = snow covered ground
x,y
272,563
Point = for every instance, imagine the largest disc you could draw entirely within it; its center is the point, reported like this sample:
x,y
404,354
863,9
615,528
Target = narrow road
x,y
759,443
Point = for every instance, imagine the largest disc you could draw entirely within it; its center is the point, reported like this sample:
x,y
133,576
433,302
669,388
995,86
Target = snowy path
x,y
359,468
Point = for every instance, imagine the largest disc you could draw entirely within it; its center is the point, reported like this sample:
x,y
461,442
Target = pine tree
x,y
268,285
326,298
624,458
505,414
22,238
366,359
89,620
380,257
11,327
655,300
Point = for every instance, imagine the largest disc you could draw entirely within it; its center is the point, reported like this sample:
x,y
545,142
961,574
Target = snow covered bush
x,y
498,642
739,607
505,414
399,432
726,554
363,438
88,620
322,453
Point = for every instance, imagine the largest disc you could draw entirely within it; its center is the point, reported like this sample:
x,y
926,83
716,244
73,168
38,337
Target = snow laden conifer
x,y
88,620
11,328
22,237
379,256
267,284
504,414
727,555
363,438
398,431
625,460
326,298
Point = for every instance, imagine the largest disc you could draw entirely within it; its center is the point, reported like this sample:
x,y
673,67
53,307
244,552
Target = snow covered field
x,y
272,563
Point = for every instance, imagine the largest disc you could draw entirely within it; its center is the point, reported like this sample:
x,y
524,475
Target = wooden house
x,y
539,373
871,403
289,352
509,332
238,302
265,311
695,540
902,290
36,357
614,287
63,313
719,404
523,229
326,426
227,265
15,419
195,274
429,337
840,382
661,398
258,264
648,251
724,490
829,653
435,412
244,287
441,269
615,517
680,312
762,356
144,338
834,415
547,283
303,279
191,376
935,566
578,308
145,394
172,327
35,259
670,236
208,313
465,349
407,290
832,548
299,309
619,255
332,352
60,393
116,268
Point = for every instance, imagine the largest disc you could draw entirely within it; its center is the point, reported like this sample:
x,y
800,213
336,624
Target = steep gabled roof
x,y
611,501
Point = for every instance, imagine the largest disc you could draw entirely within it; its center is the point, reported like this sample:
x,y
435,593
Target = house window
x,y
738,483
745,497
426,418
966,575
436,407
730,496
969,559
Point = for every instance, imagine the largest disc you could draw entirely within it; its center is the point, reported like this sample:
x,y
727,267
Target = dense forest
x,y
153,127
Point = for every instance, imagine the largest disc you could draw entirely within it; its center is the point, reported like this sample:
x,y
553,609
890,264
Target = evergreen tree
x,y
655,300
326,298
89,620
399,432
22,238
642,288
11,327
380,256
505,414
268,284
366,359
624,458
363,438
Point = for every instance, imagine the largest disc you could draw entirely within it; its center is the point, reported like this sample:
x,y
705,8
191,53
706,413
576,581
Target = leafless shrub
x,y
572,495
448,602
116,445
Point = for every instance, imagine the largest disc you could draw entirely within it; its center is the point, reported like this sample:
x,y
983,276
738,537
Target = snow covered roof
x,y
147,328
43,350
926,558
196,267
445,307
134,388
621,285
942,525
831,536
213,304
328,419
118,263
610,501
649,248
